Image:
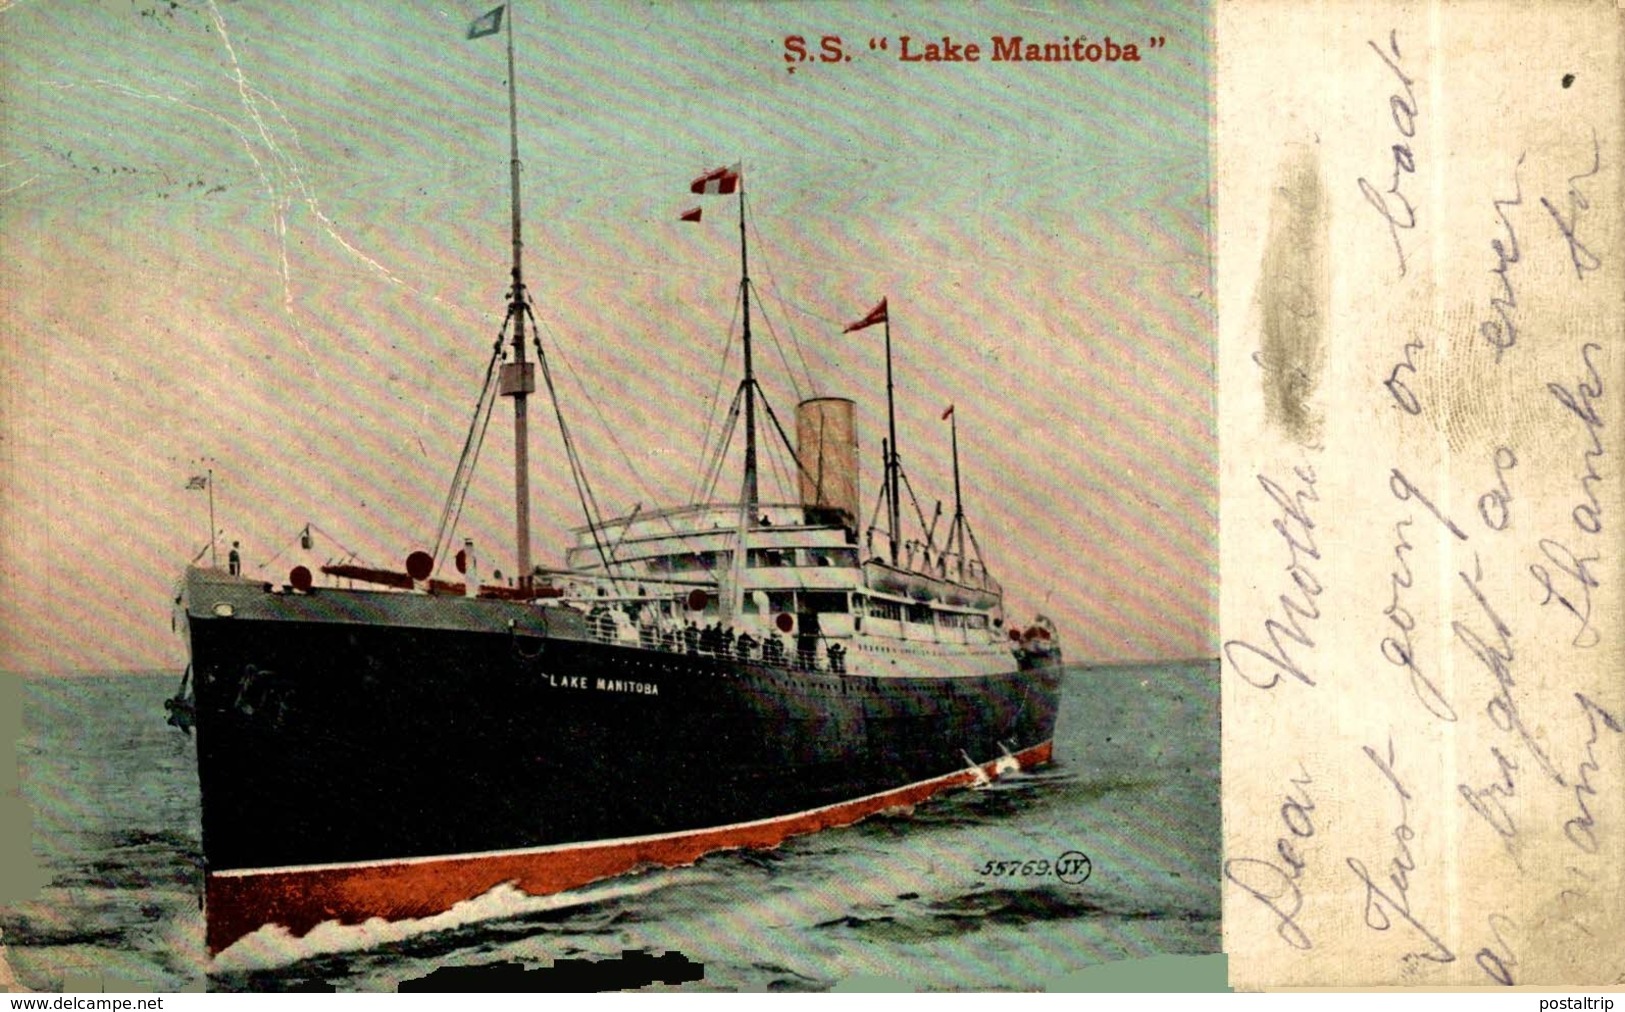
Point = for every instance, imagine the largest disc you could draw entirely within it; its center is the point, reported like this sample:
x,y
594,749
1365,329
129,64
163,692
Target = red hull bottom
x,y
298,899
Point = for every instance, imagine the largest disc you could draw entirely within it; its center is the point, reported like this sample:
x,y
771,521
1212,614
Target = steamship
x,y
382,744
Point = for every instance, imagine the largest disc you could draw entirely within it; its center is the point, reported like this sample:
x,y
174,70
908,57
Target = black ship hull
x,y
366,754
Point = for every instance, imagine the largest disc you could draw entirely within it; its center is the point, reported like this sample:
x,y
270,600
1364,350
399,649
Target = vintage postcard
x,y
555,495
1421,293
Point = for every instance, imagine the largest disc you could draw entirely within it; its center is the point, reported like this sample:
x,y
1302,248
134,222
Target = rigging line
x,y
576,472
778,476
596,519
558,349
789,372
452,510
311,527
800,467
981,562
911,498
587,394
764,245
874,515
706,480
351,553
716,389
828,321
722,452
457,517
279,551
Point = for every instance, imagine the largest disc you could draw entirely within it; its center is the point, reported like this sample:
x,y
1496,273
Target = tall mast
x,y
733,604
750,490
891,463
959,509
518,376
214,560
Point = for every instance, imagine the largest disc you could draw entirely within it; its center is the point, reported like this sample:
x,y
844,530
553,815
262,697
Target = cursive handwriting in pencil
x,y
1384,902
1503,333
1392,205
1274,885
1581,830
1296,527
1397,648
1583,259
1495,506
1574,593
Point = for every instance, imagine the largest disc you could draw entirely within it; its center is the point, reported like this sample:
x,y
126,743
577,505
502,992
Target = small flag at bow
x,y
692,214
197,481
950,411
876,315
488,23
723,180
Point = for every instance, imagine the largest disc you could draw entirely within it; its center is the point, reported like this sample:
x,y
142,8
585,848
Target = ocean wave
x,y
135,859
89,916
981,908
274,946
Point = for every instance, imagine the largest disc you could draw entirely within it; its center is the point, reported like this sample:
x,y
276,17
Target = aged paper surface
x,y
1420,287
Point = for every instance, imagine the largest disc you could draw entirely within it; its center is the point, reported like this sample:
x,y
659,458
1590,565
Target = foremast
x,y
518,376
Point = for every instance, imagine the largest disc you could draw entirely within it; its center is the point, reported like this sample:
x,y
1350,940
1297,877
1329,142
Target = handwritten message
x,y
1423,625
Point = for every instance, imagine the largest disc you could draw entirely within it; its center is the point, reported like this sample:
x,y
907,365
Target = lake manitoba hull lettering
x,y
722,674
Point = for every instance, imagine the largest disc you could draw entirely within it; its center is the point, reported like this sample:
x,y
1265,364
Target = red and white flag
x,y
692,214
723,180
876,315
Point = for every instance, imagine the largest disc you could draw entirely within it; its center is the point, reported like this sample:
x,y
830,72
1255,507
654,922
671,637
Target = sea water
x,y
945,896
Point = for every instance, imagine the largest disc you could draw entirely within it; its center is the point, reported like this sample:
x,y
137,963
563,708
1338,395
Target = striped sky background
x,y
272,239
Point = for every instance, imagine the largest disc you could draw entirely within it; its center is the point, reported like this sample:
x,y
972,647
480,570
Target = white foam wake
x,y
273,945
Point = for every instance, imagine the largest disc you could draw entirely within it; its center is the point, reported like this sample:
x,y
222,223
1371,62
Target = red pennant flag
x,y
723,180
876,315
693,214
950,411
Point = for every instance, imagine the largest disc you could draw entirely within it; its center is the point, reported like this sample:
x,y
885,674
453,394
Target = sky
x,y
270,241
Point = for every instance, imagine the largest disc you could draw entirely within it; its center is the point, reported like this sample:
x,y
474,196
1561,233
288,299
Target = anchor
x,y
182,706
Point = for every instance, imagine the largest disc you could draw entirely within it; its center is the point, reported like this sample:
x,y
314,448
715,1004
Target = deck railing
x,y
713,641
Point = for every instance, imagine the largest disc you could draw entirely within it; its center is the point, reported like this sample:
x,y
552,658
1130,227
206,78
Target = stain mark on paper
x,y
1293,295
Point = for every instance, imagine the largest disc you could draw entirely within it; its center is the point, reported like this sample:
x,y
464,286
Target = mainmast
x,y
750,492
734,604
518,376
891,426
728,180
880,314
